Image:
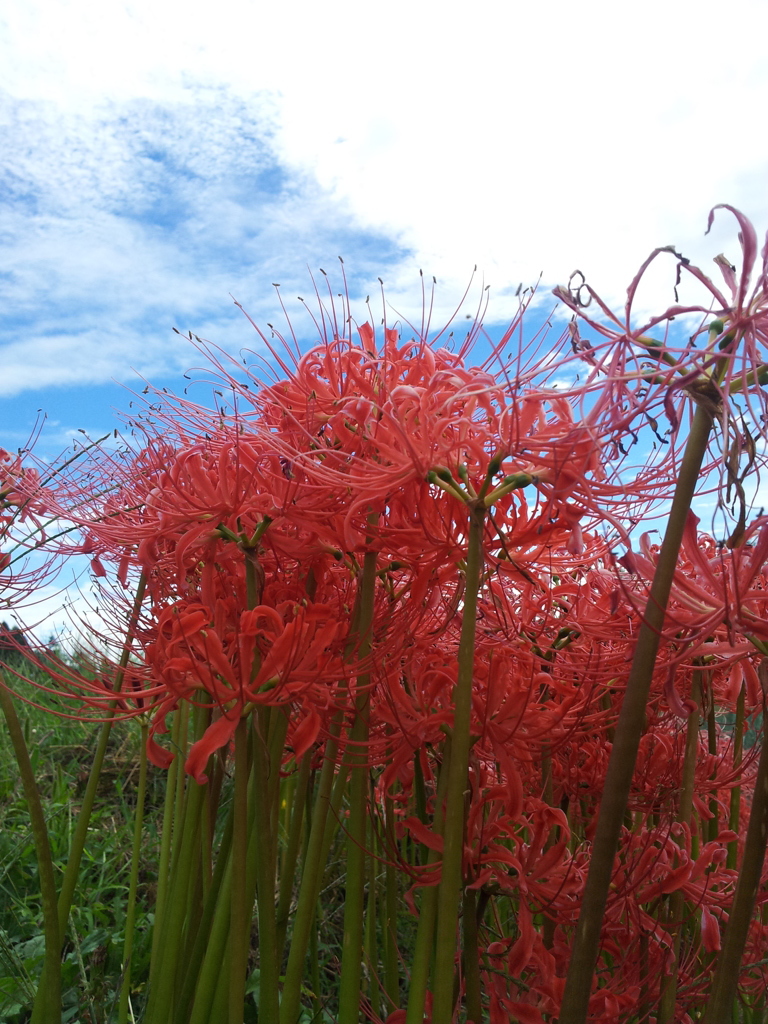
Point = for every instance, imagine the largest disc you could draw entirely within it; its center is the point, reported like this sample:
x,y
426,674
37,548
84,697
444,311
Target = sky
x,y
159,159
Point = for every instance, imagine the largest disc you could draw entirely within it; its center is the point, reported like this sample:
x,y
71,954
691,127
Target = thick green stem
x,y
453,827
50,1011
629,729
314,977
354,901
172,781
471,959
221,996
213,975
425,934
239,912
182,792
726,979
292,848
419,788
334,818
268,747
220,883
371,937
162,997
389,908
290,1005
130,915
215,955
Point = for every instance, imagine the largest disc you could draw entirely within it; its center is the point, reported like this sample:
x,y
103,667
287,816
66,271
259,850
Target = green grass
x,y
61,751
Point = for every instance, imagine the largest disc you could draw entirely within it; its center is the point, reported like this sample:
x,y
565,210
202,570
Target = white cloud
x,y
161,156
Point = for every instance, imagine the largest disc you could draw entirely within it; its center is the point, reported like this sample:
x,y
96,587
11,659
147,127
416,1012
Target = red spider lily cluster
x,y
253,529
23,520
26,505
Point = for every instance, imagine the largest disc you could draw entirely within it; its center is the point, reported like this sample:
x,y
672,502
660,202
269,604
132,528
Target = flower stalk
x,y
50,1010
726,978
239,929
354,905
449,893
629,729
133,884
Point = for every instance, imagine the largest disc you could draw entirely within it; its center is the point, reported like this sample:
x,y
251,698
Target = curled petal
x,y
305,734
710,930
216,736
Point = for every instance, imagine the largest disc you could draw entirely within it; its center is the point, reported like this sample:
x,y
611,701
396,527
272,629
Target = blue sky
x,y
156,159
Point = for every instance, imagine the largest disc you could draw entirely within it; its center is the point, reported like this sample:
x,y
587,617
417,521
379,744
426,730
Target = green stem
x,y
354,901
419,788
182,790
334,818
206,851
726,979
320,832
314,974
217,893
292,849
80,835
290,1005
389,903
629,729
471,959
267,757
425,933
165,851
50,1012
453,828
371,939
79,838
214,957
130,916
162,996
278,729
211,993
218,1009
239,913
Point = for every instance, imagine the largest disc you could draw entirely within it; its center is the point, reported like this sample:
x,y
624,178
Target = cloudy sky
x,y
159,158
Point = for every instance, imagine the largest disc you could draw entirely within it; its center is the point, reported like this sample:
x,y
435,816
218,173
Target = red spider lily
x,y
719,596
349,415
267,655
520,977
185,496
528,688
642,376
32,503
24,518
22,492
